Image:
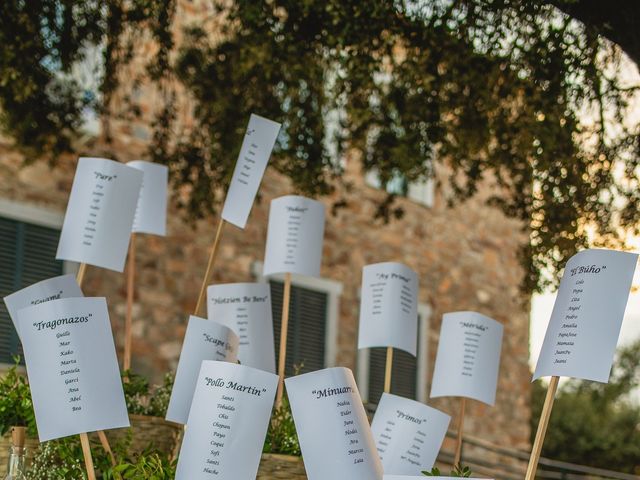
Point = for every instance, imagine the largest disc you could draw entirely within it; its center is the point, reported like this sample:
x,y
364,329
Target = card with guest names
x,y
151,211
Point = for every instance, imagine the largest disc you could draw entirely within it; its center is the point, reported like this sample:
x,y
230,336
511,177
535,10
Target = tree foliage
x,y
510,92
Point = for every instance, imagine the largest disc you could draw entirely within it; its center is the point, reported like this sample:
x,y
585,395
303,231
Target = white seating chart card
x,y
468,358
151,213
64,286
587,316
228,423
294,237
246,309
72,367
258,143
334,433
99,218
389,307
408,434
203,340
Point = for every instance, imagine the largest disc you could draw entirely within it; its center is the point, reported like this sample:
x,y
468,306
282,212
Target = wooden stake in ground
x,y
88,459
388,369
131,274
542,428
458,456
284,329
207,275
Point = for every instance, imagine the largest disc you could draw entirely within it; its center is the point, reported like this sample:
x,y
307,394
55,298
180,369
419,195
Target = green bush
x,y
16,407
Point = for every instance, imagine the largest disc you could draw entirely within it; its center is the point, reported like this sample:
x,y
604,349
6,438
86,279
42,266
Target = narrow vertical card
x,y
151,211
203,340
246,309
408,434
99,218
227,423
468,358
389,307
257,145
72,367
587,316
334,433
294,237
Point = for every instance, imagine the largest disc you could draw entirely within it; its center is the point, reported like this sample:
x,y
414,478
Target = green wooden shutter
x,y
27,256
307,327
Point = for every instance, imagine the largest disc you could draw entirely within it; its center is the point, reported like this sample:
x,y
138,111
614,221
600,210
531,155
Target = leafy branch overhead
x,y
513,93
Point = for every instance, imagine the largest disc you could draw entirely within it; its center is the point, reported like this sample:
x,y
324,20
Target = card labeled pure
x,y
203,340
228,423
334,433
64,286
408,434
389,307
151,212
294,237
587,316
257,145
468,358
99,218
72,366
246,309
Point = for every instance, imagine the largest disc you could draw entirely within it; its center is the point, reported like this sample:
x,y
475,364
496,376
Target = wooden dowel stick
x,y
131,275
458,457
284,328
207,275
107,448
80,276
88,460
387,370
542,428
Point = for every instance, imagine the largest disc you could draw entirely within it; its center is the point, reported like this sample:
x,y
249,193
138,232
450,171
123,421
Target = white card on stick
x,y
257,145
334,433
585,323
389,307
151,212
64,286
408,434
468,358
294,237
72,367
203,340
99,218
228,423
246,309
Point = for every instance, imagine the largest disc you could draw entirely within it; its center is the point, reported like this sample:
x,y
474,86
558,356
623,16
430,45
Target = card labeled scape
x,y
468,358
294,237
587,316
408,434
151,212
257,145
334,433
64,286
72,367
389,307
227,423
99,218
204,340
246,309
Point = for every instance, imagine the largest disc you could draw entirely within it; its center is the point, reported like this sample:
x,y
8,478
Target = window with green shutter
x,y
27,256
307,331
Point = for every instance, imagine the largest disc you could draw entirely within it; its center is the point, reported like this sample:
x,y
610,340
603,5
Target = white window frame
x,y
332,288
422,361
422,192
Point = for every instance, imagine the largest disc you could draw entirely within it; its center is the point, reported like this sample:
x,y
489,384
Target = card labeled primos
x,y
99,218
204,340
246,309
334,433
294,237
151,213
72,367
587,316
468,358
257,145
227,423
389,307
64,286
408,434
